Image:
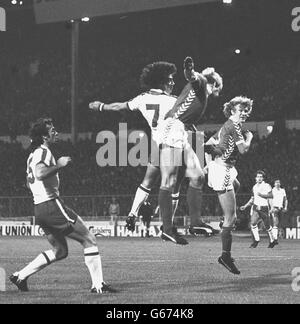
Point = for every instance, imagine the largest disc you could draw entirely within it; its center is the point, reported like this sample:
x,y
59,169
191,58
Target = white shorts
x,y
221,177
172,133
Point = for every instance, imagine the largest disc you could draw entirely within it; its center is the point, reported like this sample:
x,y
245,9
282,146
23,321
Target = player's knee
x,y
90,240
169,182
197,182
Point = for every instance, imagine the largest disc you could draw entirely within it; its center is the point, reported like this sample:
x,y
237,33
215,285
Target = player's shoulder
x,y
267,186
41,151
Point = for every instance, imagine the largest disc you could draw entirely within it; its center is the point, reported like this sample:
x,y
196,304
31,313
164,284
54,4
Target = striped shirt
x,y
42,190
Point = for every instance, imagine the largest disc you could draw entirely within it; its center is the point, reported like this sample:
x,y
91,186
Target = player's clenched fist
x,y
248,135
96,106
63,161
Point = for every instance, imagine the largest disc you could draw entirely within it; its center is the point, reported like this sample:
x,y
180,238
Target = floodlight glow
x,y
85,19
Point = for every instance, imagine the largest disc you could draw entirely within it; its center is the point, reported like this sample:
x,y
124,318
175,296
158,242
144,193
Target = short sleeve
x,y
41,155
135,103
268,188
284,193
237,134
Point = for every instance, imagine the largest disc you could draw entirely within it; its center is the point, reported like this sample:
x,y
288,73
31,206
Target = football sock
x,y
39,263
165,205
141,196
175,201
275,233
226,237
254,230
93,262
270,235
194,200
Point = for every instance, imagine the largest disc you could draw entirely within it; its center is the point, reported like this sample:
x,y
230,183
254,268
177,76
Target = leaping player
x,y
222,172
158,81
259,202
187,111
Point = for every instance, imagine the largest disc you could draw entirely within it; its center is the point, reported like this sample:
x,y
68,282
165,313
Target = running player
x,y
187,112
222,172
55,218
279,206
261,193
158,79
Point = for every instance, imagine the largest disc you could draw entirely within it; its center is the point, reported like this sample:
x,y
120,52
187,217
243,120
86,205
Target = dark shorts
x,y
262,211
54,217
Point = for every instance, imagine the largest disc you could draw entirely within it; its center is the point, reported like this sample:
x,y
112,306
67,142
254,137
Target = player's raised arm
x,y
100,106
42,171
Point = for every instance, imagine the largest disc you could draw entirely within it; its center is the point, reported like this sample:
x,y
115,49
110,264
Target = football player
x,y
279,207
222,172
259,202
158,81
187,112
56,219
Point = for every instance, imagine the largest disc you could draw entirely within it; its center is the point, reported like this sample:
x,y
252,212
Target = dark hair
x,y
155,75
261,172
38,130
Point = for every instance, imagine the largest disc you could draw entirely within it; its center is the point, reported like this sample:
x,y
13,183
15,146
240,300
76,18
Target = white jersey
x,y
278,197
154,105
262,188
42,190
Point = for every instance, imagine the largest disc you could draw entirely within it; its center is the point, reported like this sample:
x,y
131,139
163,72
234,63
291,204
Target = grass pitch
x,y
149,271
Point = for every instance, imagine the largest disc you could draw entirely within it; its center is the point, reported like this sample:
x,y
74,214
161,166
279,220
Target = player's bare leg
x,y
195,191
92,257
267,222
275,217
228,204
142,194
59,252
254,229
171,161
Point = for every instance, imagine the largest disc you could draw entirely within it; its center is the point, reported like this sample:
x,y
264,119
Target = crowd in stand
x,y
278,155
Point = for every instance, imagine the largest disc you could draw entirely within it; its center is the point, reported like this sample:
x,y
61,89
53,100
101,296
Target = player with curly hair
x,y
157,79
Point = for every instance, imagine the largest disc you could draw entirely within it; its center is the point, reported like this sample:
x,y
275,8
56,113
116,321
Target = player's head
x,y
239,107
277,183
260,176
158,75
42,132
214,81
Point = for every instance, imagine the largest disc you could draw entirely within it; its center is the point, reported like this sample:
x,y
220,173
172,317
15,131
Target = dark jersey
x,y
191,103
229,136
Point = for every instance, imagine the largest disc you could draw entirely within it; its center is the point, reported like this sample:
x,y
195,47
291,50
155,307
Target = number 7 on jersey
x,y
156,113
